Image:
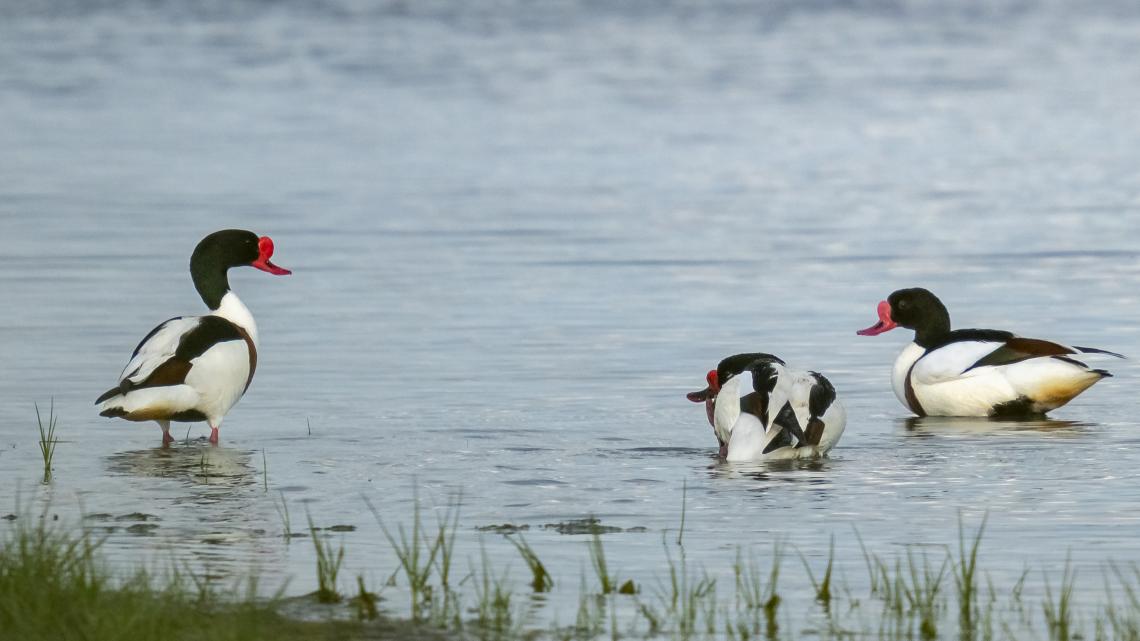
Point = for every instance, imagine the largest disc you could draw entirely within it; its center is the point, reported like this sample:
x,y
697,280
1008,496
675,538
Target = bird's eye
x,y
904,303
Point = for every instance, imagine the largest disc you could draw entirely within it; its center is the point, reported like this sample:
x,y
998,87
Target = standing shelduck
x,y
760,409
977,372
195,368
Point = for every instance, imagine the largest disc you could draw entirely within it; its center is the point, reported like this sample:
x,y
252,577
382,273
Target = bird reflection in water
x,y
781,471
194,464
950,425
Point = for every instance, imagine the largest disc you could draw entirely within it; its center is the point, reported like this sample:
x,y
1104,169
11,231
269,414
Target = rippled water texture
x,y
520,232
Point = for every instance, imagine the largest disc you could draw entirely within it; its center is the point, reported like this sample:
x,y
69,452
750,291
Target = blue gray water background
x,y
520,232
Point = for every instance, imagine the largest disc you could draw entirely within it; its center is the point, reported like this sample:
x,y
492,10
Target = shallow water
x,y
520,234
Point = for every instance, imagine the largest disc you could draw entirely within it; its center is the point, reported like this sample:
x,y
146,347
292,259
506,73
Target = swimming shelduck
x,y
195,368
760,409
977,372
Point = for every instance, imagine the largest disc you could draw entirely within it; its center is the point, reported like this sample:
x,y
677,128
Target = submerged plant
x,y
589,621
446,611
493,598
684,600
965,578
283,513
606,582
365,601
541,580
823,586
756,596
1125,621
418,554
328,566
47,437
684,503
922,593
1059,614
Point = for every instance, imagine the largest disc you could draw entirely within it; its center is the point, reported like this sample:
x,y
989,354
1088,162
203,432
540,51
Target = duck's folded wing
x,y
159,346
153,359
958,360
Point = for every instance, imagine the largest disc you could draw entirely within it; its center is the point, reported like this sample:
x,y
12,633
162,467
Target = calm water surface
x,y
521,232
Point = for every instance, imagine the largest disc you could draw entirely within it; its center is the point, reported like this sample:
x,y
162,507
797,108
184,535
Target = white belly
x,y
219,376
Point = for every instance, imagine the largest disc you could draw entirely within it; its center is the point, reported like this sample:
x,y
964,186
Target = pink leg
x,y
167,439
213,435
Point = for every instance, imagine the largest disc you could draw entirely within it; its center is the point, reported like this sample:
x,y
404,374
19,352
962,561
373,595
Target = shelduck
x,y
195,368
977,372
760,409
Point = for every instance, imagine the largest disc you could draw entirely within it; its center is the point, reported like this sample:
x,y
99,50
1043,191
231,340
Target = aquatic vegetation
x,y
756,596
823,586
365,601
683,600
922,593
1124,621
965,578
418,554
541,581
329,561
1059,613
282,509
493,613
54,585
608,584
47,441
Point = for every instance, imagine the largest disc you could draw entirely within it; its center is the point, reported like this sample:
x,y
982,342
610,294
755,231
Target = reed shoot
x,y
47,438
328,566
541,580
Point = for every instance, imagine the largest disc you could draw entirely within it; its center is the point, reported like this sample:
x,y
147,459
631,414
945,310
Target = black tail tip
x,y
1103,373
114,412
109,394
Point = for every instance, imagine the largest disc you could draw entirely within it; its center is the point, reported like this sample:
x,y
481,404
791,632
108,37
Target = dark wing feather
x,y
1017,349
764,377
1094,350
814,432
822,395
781,439
209,332
787,421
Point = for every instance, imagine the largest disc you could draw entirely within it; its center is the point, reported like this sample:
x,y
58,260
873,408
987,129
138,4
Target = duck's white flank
x,y
945,383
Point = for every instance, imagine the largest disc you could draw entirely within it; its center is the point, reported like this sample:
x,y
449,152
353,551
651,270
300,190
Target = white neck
x,y
727,409
235,311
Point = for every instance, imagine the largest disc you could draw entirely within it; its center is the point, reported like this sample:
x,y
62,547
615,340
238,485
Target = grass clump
x,y
421,556
1059,613
607,583
823,585
966,579
54,587
757,597
328,566
686,600
493,614
541,580
922,594
47,441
